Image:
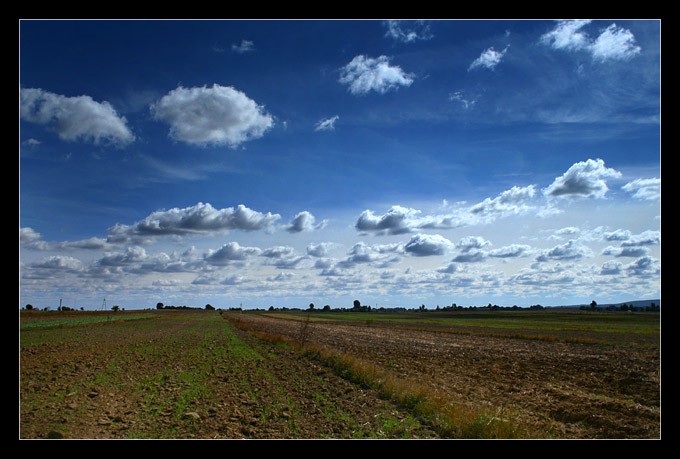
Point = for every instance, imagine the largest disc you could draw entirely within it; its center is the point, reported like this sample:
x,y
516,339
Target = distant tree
x,y
311,306
82,308
593,304
271,308
115,308
29,307
422,307
327,308
159,305
209,307
357,304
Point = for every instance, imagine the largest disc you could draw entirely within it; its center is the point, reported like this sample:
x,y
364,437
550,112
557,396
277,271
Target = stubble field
x,y
210,374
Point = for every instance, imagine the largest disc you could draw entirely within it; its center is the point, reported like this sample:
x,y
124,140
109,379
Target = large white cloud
x,y
583,179
397,220
644,238
613,43
75,118
59,262
644,267
229,252
217,115
512,201
571,250
489,59
365,74
198,219
408,31
647,189
425,245
133,254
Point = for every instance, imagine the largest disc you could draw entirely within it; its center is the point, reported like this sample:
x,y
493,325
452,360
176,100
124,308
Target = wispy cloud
x,y
645,189
245,46
613,43
489,59
327,124
408,31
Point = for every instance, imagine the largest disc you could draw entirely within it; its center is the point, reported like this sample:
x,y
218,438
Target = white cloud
x,y
610,268
31,238
614,43
243,47
133,254
60,263
583,179
469,243
644,267
464,100
425,245
320,250
75,118
451,268
571,250
279,252
567,35
509,202
327,124
647,189
217,115
31,142
305,221
644,238
511,251
618,235
229,252
489,59
470,256
28,235
397,220
364,74
198,219
625,251
408,31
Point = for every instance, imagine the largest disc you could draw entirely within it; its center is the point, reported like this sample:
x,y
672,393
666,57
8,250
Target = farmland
x,y
219,374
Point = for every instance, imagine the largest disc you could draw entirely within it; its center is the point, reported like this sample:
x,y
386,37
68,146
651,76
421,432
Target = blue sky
x,y
287,162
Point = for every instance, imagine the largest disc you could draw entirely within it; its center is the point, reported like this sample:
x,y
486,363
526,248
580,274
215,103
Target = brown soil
x,y
189,375
567,390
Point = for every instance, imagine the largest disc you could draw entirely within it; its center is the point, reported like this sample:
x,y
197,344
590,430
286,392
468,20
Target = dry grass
x,y
448,419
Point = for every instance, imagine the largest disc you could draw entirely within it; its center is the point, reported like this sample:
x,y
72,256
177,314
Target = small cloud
x,y
305,221
229,252
614,43
327,124
489,59
464,100
408,31
625,251
645,189
365,74
425,245
567,35
245,46
31,143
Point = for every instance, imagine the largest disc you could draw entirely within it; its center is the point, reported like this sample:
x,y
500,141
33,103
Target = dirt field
x,y
567,390
188,375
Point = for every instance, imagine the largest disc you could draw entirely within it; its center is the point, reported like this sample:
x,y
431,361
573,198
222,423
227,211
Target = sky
x,y
281,163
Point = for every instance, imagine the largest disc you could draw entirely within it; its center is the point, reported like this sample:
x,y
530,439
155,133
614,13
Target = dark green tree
x,y
357,304
115,308
311,306
159,305
209,307
29,307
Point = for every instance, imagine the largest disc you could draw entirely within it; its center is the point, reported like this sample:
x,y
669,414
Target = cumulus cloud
x,y
217,115
327,124
58,262
281,277
133,254
644,238
305,221
470,256
618,235
469,243
509,202
451,268
244,47
32,239
625,251
408,31
425,245
613,43
28,235
489,59
279,252
646,189
644,267
321,249
583,179
75,118
230,252
198,219
571,250
511,251
365,74
610,268
397,220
